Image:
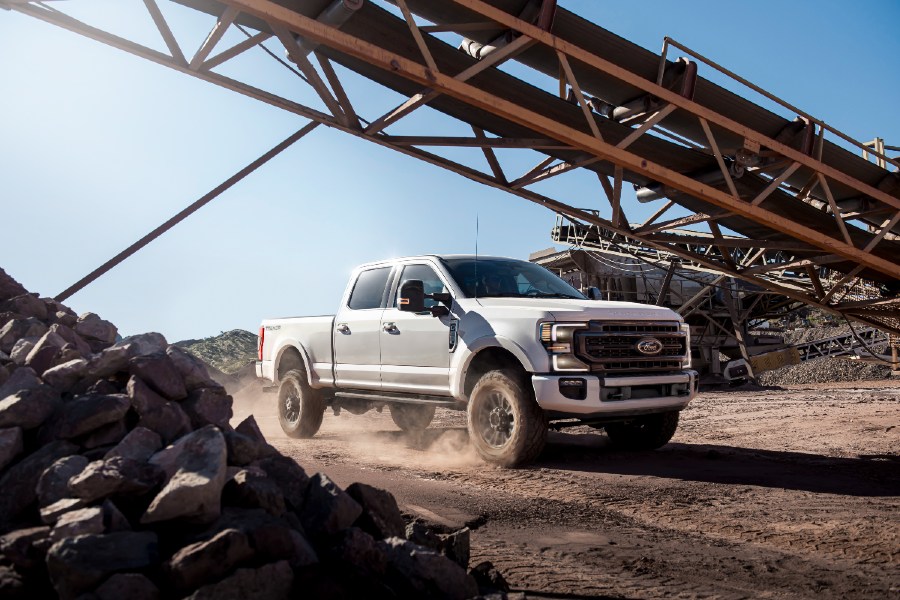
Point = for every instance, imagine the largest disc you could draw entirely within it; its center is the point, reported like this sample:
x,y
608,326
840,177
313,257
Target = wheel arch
x,y
489,359
291,357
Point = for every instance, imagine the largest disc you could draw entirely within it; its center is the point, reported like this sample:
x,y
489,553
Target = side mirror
x,y
594,293
412,296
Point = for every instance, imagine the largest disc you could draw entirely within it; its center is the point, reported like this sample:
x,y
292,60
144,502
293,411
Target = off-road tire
x,y
300,408
506,425
644,433
412,418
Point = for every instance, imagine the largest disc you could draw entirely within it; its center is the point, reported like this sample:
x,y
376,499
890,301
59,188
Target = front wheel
x,y
644,433
412,418
506,425
300,408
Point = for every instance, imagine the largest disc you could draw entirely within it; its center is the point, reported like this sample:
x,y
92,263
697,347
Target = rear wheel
x,y
300,408
506,425
644,433
412,417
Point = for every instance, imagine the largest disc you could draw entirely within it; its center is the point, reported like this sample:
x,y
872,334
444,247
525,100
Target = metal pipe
x,y
657,191
182,215
336,14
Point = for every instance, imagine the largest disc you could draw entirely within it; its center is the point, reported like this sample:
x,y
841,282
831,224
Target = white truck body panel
x,y
388,350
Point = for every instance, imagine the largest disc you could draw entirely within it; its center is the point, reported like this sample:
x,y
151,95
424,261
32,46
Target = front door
x,y
416,347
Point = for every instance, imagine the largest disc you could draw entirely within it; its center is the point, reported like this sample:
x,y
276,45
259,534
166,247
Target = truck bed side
x,y
306,337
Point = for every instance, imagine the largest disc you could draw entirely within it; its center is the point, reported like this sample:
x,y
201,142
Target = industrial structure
x,y
791,210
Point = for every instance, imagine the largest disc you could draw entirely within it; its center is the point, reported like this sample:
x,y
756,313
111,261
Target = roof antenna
x,y
476,255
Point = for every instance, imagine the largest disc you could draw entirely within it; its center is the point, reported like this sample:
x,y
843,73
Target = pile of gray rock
x,y
122,477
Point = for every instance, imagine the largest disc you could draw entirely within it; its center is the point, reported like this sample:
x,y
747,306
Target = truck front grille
x,y
612,347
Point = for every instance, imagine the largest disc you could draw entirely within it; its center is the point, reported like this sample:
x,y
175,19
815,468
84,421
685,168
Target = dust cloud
x,y
370,438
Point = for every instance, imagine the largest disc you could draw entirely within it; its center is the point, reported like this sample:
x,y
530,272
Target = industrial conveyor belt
x,y
384,29
774,192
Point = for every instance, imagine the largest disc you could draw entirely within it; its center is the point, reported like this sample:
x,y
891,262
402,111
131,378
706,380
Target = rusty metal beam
x,y
665,95
503,108
274,100
185,213
163,26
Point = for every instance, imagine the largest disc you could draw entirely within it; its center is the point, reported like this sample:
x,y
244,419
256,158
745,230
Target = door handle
x,y
389,327
343,328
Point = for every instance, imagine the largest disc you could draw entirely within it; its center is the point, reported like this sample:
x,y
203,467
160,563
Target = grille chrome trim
x,y
611,346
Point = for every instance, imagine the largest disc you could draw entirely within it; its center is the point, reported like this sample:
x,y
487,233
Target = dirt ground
x,y
782,493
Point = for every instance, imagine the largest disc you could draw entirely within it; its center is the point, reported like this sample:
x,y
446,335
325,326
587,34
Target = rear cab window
x,y
368,291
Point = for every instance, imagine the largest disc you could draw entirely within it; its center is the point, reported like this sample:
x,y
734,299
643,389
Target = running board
x,y
387,397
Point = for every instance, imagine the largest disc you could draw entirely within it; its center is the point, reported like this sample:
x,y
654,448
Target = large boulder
x,y
28,408
25,548
252,488
159,372
380,516
84,521
208,561
419,572
290,477
139,445
192,369
156,413
80,564
53,484
64,376
209,406
87,413
117,475
9,287
115,358
194,490
11,445
16,329
21,379
45,352
19,482
70,337
268,582
98,333
27,305
132,586
327,509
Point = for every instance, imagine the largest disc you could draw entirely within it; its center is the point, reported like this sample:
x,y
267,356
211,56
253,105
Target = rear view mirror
x,y
412,296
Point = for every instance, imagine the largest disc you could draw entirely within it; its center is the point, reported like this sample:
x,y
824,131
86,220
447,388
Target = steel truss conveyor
x,y
775,194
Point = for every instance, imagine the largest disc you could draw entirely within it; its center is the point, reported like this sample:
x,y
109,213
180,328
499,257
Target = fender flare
x,y
304,358
457,386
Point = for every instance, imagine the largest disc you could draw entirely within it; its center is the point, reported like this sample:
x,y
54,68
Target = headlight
x,y
559,340
686,329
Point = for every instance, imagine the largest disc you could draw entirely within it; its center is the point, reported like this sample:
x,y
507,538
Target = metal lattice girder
x,y
395,51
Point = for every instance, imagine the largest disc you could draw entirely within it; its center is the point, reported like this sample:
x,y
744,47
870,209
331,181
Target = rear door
x,y
416,347
357,331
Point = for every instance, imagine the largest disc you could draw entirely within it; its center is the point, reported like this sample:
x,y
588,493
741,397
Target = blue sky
x,y
98,147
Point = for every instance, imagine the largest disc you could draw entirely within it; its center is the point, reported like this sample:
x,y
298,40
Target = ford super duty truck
x,y
509,342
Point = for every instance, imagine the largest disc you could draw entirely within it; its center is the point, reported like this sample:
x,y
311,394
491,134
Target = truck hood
x,y
561,309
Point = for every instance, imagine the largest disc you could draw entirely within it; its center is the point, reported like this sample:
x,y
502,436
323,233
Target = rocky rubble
x,y
122,477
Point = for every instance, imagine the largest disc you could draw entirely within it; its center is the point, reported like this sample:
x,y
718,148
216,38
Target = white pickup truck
x,y
506,340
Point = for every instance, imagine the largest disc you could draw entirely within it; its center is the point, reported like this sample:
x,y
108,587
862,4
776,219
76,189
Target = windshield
x,y
507,278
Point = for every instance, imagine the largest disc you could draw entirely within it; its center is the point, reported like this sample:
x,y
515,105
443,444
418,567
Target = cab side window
x,y
369,289
433,283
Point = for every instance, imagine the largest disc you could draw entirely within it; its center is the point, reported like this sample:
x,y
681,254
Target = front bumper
x,y
616,396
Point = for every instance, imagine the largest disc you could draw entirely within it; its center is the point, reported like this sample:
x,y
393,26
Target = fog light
x,y
573,388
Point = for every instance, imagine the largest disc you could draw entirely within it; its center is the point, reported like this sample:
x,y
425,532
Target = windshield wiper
x,y
553,295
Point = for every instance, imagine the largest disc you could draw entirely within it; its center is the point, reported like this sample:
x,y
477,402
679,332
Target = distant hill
x,y
229,352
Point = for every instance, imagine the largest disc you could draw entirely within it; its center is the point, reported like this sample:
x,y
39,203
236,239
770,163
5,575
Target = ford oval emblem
x,y
649,346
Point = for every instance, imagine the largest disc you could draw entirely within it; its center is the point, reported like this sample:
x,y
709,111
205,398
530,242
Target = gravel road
x,y
782,493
